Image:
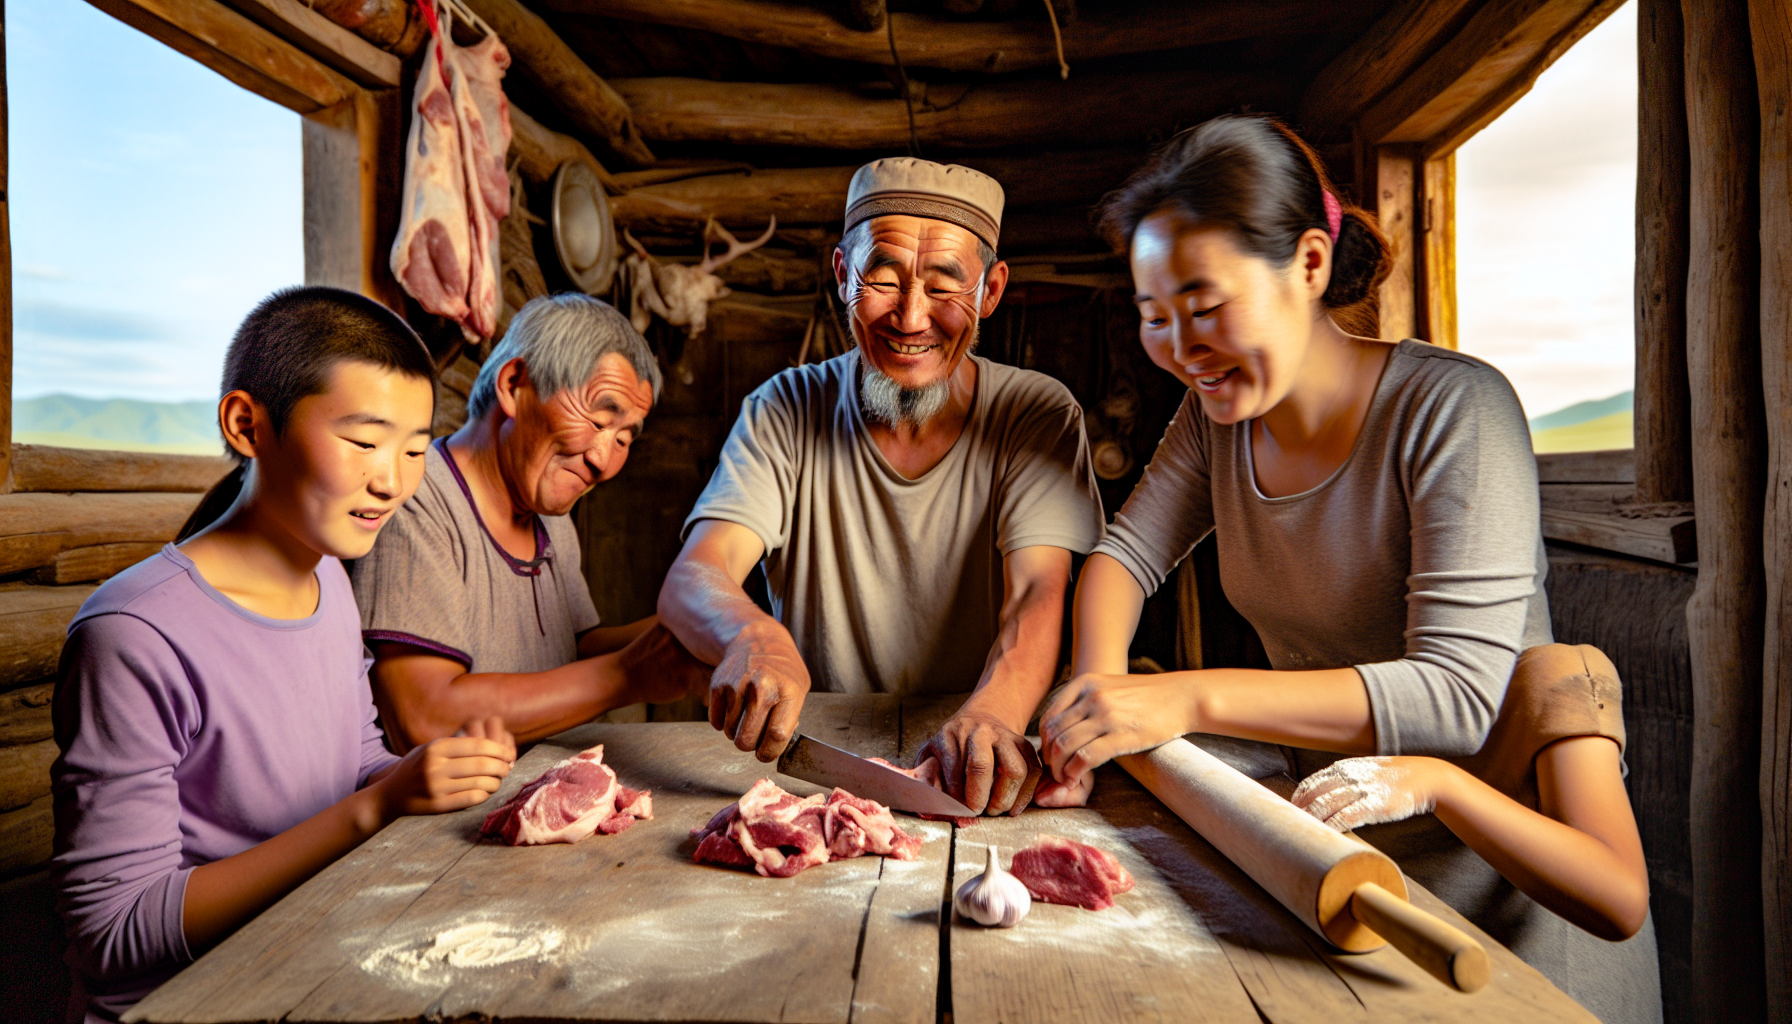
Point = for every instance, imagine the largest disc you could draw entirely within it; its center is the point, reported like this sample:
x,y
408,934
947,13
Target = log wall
x,y
72,518
1771,28
1724,617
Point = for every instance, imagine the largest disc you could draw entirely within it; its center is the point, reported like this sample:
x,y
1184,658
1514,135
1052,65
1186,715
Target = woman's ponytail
x,y
216,502
1360,260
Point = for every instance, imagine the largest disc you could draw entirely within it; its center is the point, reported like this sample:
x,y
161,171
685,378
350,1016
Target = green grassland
x,y
123,424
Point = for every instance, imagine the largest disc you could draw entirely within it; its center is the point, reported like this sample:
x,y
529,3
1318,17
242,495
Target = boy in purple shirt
x,y
219,740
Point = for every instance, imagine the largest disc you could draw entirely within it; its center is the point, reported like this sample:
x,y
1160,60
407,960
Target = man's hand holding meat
x,y
916,507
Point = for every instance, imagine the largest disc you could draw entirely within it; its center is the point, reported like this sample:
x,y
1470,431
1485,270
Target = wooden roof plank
x,y
1481,71
1389,51
1108,109
817,195
545,59
237,48
993,46
322,38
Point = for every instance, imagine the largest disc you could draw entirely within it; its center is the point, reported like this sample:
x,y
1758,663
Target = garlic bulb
x,y
995,897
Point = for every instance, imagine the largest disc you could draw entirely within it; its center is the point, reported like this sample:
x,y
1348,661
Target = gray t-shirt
x,y
437,579
891,585
1419,562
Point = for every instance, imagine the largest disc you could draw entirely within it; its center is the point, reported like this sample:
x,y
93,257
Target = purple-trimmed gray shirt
x,y
438,580
191,730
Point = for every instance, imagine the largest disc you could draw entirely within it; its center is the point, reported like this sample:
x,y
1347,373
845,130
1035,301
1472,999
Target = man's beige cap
x,y
921,188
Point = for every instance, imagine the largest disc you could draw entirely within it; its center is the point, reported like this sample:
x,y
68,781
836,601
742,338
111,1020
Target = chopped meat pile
x,y
568,802
778,835
927,771
1052,793
1074,874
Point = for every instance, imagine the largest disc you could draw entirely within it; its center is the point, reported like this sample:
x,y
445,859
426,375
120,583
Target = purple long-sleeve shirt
x,y
191,730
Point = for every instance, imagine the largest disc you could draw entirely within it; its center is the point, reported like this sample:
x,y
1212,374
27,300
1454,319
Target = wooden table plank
x,y
1147,958
618,927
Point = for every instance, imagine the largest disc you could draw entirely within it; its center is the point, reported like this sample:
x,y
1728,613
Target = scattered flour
x,y
408,889
462,947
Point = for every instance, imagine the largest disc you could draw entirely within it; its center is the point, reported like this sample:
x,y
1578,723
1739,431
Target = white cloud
x,y
1545,220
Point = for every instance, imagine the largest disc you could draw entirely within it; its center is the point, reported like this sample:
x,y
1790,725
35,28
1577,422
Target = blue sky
x,y
153,202
1546,228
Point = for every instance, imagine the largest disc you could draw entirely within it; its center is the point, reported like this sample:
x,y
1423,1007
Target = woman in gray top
x,y
1376,508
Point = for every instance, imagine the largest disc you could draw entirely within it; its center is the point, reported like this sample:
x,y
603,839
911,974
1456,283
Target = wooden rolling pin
x,y
1343,889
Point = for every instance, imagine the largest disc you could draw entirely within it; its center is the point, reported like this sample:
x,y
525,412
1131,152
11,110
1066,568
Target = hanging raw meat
x,y
476,73
456,190
430,254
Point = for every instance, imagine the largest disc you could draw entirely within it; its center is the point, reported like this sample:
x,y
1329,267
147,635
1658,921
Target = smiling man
x,y
916,506
473,601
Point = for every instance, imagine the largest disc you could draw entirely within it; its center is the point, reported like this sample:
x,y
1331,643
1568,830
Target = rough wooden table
x,y
425,922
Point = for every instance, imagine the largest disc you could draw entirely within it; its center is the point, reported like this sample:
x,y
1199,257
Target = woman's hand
x,y
1361,791
448,774
1096,718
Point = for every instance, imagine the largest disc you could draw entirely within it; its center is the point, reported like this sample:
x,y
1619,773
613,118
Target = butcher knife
x,y
814,761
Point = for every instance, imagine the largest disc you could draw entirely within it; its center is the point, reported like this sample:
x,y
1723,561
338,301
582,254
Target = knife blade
x,y
811,760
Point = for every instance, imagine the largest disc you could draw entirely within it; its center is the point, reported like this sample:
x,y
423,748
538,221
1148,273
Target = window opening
x,y
1546,243
153,203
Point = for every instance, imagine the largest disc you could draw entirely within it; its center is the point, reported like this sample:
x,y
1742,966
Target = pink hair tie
x,y
1334,215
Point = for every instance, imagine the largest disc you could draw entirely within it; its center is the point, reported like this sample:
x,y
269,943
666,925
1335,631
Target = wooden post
x,y
354,166
1436,271
1395,192
5,278
1724,616
1771,30
1663,444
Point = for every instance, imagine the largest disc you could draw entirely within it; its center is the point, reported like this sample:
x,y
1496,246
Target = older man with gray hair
x,y
473,601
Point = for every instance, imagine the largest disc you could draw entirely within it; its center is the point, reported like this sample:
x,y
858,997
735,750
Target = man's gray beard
x,y
885,401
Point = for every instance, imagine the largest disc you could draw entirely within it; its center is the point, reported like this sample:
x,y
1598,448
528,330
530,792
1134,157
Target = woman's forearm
x,y
1593,883
224,895
1106,614
1323,709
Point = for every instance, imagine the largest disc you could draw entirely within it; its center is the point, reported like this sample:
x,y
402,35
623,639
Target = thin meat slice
x,y
568,802
855,826
780,835
1074,874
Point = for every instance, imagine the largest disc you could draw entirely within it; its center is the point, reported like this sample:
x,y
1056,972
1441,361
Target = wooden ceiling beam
x,y
237,48
545,59
1101,110
934,42
817,195
1391,49
322,38
1480,72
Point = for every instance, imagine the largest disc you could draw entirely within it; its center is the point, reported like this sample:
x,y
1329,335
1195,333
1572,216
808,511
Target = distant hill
x,y
1586,426
121,423
1581,412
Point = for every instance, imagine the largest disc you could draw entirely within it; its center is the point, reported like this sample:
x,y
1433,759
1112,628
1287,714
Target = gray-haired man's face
x,y
553,451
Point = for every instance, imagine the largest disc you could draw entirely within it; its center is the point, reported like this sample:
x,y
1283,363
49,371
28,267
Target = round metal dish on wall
x,y
584,237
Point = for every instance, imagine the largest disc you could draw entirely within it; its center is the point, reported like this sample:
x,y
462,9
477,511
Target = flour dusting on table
x,y
463,947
